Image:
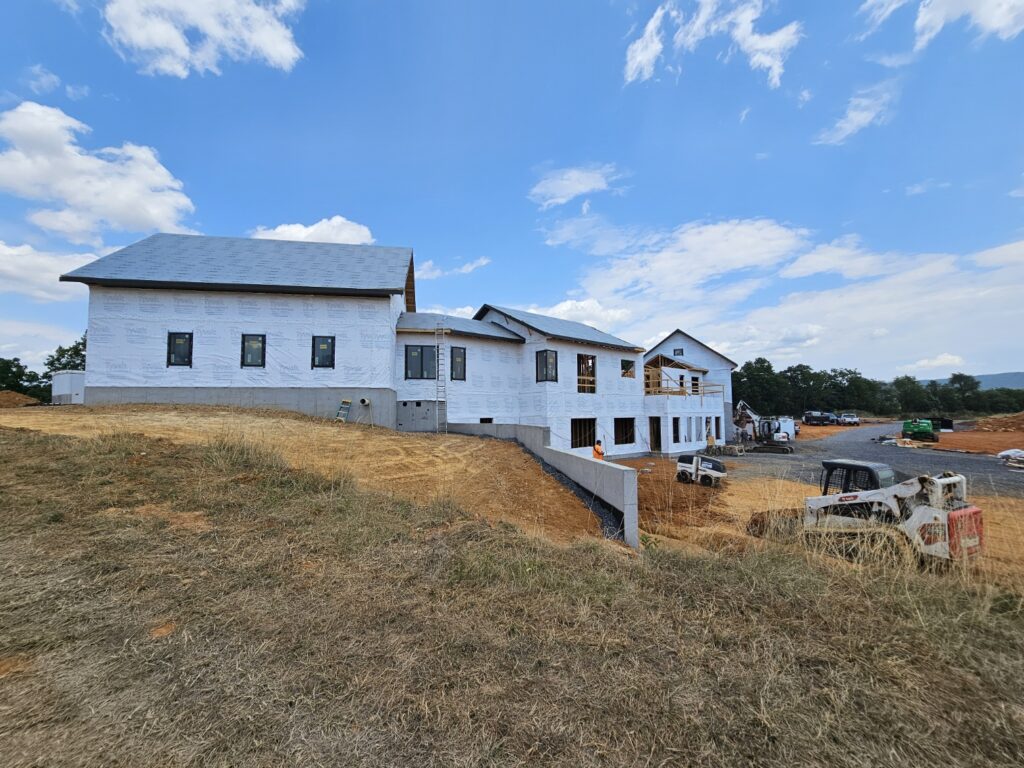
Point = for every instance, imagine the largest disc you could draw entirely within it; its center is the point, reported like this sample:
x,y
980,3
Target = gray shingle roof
x,y
200,262
556,328
461,326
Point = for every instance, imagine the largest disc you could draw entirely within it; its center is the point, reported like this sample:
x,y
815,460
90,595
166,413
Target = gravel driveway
x,y
985,475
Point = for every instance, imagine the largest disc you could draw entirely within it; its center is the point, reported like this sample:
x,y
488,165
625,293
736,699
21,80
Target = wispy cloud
x,y
41,80
942,360
1003,18
429,270
868,106
928,185
736,19
559,186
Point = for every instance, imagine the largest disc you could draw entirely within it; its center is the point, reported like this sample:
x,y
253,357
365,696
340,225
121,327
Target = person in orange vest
x,y
598,451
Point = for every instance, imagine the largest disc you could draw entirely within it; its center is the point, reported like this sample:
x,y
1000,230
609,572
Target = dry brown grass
x,y
316,624
495,479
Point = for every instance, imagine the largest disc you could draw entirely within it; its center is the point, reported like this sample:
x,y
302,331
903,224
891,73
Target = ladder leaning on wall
x,y
441,392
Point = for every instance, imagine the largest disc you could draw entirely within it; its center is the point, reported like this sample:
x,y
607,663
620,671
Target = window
x,y
420,361
179,349
586,374
583,432
625,431
458,363
547,365
254,350
695,385
675,429
323,352
678,352
718,427
487,420
629,369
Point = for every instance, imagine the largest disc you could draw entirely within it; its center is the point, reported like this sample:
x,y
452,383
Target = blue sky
x,y
835,183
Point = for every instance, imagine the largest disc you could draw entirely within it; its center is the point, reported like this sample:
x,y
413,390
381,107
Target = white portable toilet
x,y
68,388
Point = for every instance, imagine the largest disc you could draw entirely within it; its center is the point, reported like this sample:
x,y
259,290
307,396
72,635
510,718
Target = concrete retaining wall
x,y
314,401
612,483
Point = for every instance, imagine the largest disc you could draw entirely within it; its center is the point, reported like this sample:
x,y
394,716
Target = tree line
x,y
800,388
17,377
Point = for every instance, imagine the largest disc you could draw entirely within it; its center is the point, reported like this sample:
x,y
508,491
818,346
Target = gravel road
x,y
985,474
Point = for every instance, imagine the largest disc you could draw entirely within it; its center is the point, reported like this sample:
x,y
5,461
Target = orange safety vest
x,y
599,453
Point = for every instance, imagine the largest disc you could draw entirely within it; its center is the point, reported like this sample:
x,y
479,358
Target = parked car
x,y
832,418
815,418
849,419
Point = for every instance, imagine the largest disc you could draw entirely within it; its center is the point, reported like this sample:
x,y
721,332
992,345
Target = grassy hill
x,y
1013,380
206,604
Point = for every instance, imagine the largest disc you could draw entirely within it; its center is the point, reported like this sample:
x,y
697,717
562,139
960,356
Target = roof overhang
x,y
308,290
457,332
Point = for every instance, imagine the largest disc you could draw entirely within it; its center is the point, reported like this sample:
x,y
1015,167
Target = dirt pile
x,y
1012,423
9,399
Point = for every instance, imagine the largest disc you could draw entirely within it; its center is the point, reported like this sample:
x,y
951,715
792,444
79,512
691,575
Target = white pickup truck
x,y
849,419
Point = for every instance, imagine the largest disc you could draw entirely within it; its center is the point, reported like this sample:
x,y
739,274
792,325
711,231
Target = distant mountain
x,y
994,380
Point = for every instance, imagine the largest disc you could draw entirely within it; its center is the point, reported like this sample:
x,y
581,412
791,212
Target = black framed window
x,y
458,363
420,361
586,374
675,429
629,369
583,432
254,350
677,352
179,349
323,352
625,431
547,365
695,385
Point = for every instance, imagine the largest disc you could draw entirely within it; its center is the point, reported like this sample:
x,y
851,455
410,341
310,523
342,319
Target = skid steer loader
x,y
863,510
700,469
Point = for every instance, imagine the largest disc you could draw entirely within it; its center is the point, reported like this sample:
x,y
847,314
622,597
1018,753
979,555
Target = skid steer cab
x,y
929,515
700,469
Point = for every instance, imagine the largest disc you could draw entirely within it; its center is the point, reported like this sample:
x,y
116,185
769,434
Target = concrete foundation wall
x,y
314,401
612,483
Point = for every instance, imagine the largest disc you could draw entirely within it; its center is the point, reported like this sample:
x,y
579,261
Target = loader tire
x,y
707,481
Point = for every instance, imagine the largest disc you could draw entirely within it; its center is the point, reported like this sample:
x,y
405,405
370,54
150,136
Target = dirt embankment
x,y
9,399
494,479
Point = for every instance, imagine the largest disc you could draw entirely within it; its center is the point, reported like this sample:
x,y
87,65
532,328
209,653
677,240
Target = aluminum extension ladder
x,y
441,390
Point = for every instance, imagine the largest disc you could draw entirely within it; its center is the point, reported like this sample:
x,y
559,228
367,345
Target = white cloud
x,y
744,114
1003,18
804,96
33,273
644,52
336,229
471,266
32,342
725,282
868,106
176,37
466,311
76,92
928,185
846,256
943,360
733,18
124,188
1019,192
428,270
41,80
587,311
559,186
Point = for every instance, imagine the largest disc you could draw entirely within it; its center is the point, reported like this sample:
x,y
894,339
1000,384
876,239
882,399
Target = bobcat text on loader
x,y
700,469
862,506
